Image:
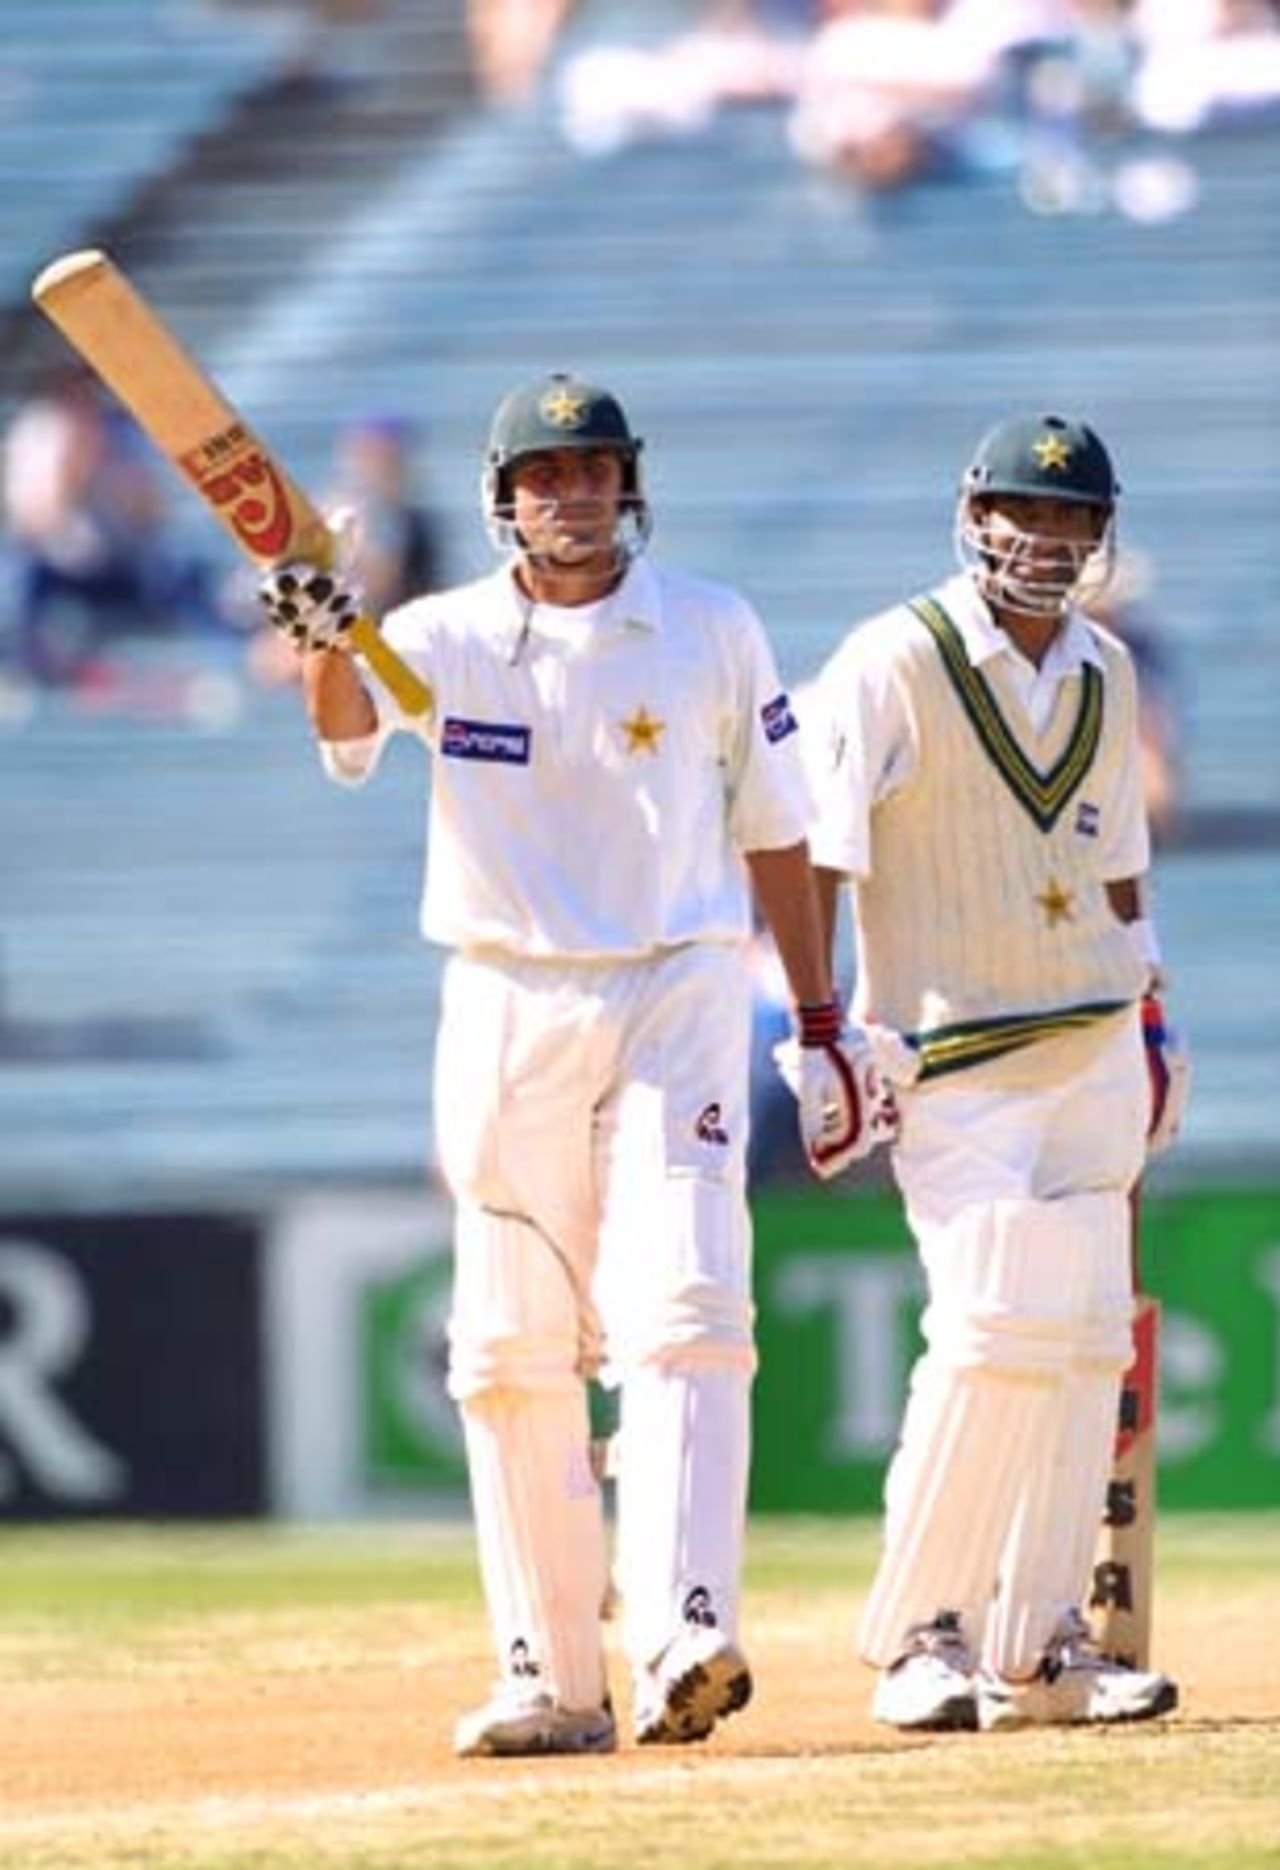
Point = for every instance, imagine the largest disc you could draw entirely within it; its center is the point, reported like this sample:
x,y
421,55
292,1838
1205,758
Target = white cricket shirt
x,y
982,805
598,772
862,708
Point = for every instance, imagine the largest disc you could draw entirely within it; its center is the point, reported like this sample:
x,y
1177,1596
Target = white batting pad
x,y
1032,1285
514,1358
1023,1296
516,1321
540,1529
681,1503
1070,1261
966,1440
1045,1567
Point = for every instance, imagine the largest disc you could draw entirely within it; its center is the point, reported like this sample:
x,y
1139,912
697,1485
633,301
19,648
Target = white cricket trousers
x,y
591,1123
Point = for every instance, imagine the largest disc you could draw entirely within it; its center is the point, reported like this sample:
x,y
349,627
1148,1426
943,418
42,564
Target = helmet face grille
x,y
1029,572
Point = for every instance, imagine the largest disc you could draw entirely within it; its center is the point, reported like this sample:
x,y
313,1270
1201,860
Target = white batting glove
x,y
1169,1070
312,608
843,1083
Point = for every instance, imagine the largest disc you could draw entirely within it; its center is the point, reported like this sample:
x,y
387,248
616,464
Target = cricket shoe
x,y
518,1721
1074,1683
699,1678
929,1688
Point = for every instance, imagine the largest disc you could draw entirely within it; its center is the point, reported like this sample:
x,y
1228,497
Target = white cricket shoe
x,y
929,1688
699,1678
518,1720
1074,1683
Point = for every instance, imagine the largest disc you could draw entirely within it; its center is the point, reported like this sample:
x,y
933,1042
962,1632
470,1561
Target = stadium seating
x,y
87,117
230,943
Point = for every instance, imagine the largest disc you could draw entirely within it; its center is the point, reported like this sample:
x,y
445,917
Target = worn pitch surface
x,y
203,1700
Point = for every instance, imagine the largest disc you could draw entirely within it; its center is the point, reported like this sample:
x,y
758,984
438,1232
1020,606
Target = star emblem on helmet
x,y
563,409
643,731
1058,904
1051,451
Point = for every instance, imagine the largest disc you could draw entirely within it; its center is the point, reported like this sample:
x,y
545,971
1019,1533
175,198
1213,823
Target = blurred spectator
x,y
398,540
1125,606
739,52
1205,60
886,87
887,92
92,559
394,536
511,41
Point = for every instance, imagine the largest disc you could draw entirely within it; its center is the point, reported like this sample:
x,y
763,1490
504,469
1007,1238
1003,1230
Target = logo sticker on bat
x,y
232,473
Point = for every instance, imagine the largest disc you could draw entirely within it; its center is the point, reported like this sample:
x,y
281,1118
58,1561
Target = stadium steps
x,y
810,373
87,116
217,212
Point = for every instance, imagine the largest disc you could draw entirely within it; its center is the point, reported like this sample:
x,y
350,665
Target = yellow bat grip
x,y
413,694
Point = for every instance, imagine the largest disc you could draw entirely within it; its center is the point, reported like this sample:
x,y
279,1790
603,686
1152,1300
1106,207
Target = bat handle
x,y
413,694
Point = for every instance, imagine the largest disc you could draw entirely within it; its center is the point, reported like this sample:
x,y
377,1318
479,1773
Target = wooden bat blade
x,y
1121,1593
124,341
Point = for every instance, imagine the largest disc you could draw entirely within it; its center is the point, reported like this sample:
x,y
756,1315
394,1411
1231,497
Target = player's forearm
x,y
784,889
338,703
1130,903
826,885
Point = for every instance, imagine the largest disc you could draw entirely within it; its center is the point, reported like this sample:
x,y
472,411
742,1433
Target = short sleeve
x,y
859,748
770,805
1126,841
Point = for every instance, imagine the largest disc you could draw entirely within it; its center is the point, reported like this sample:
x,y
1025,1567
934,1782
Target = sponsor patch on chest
x,y
777,719
505,742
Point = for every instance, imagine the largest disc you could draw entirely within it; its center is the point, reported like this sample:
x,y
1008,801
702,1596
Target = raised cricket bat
x,y
121,337
1120,1597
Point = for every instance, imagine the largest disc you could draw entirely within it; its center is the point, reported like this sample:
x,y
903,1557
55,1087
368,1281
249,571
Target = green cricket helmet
x,y
1038,458
561,411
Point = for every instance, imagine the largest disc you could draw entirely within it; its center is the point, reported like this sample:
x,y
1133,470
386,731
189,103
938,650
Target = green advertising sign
x,y
839,1301
410,1432
840,1296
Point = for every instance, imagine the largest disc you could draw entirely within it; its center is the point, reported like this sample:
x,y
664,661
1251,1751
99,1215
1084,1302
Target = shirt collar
x,y
1073,646
635,604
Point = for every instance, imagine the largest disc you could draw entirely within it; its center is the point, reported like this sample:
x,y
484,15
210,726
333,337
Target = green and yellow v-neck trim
x,y
1043,796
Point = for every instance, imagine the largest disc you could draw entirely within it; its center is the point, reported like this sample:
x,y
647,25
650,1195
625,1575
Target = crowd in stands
x,y
94,570
881,93
88,551
878,92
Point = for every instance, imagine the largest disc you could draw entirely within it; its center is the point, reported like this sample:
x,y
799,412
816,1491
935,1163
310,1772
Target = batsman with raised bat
x,y
615,774
978,764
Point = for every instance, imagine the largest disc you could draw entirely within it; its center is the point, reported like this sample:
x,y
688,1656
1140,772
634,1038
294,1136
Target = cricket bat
x,y
1120,1596
122,338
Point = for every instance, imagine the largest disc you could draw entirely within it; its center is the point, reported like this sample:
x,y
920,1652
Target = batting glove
x,y
311,607
842,1079
1169,1070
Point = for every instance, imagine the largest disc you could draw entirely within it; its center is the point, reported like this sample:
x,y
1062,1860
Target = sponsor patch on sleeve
x,y
777,719
505,742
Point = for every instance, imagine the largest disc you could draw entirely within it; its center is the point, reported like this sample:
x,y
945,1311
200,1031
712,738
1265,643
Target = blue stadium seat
x,y
810,372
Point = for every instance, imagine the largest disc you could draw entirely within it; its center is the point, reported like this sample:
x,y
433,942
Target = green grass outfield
x,y
262,1698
